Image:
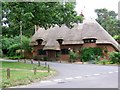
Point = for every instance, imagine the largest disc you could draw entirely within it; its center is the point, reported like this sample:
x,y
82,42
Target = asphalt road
x,y
79,76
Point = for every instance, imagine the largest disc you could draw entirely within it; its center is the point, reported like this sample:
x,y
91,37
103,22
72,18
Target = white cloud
x,y
88,6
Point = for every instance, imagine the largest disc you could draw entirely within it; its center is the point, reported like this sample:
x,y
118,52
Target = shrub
x,y
114,57
16,57
73,56
12,49
58,54
103,62
11,44
45,58
88,54
96,61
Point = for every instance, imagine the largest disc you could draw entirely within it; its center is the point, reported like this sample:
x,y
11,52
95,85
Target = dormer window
x,y
89,40
60,41
39,41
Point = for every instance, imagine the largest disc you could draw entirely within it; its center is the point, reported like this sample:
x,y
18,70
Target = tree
x,y
43,14
109,21
11,44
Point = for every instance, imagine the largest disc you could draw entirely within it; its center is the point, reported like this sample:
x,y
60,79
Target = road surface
x,y
79,76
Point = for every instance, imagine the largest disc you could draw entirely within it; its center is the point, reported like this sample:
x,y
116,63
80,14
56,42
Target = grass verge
x,y
22,74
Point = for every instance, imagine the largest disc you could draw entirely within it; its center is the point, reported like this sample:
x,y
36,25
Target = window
x,y
64,51
93,41
41,52
89,40
39,41
60,41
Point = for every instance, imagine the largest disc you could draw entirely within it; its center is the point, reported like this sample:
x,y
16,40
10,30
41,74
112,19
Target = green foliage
x,y
1,53
96,60
7,42
21,74
108,19
58,54
103,62
12,49
45,58
43,14
16,57
117,37
73,56
88,54
11,44
25,44
114,57
6,83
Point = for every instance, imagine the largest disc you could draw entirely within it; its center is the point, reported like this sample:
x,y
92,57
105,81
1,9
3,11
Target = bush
x,y
96,61
12,49
11,44
16,57
103,62
45,58
73,56
88,54
114,57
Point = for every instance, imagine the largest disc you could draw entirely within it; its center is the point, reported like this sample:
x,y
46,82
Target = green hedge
x,y
88,54
73,56
16,57
114,57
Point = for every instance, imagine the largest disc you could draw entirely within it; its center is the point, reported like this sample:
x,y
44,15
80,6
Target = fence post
x,y
35,70
48,68
31,61
45,64
60,61
24,60
8,73
38,62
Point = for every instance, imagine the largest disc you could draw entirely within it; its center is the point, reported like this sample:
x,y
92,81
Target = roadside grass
x,y
24,75
20,65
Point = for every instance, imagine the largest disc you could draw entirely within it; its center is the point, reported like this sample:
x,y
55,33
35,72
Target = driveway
x,y
79,76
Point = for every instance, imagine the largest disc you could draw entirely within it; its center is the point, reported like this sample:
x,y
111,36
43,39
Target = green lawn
x,y
20,65
24,75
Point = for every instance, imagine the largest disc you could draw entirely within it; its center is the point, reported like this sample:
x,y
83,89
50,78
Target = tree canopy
x,y
43,14
108,19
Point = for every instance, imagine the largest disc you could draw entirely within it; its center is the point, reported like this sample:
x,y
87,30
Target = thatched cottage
x,y
62,39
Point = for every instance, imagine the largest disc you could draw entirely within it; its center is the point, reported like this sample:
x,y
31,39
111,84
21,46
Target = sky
x,y
87,7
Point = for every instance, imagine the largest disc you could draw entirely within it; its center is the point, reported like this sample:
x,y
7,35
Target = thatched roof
x,y
87,29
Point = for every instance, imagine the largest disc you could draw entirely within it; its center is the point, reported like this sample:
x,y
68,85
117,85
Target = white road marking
x,y
116,71
78,77
110,72
46,81
69,78
96,74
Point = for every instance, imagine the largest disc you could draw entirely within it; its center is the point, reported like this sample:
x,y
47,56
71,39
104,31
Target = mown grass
x,y
22,76
20,65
